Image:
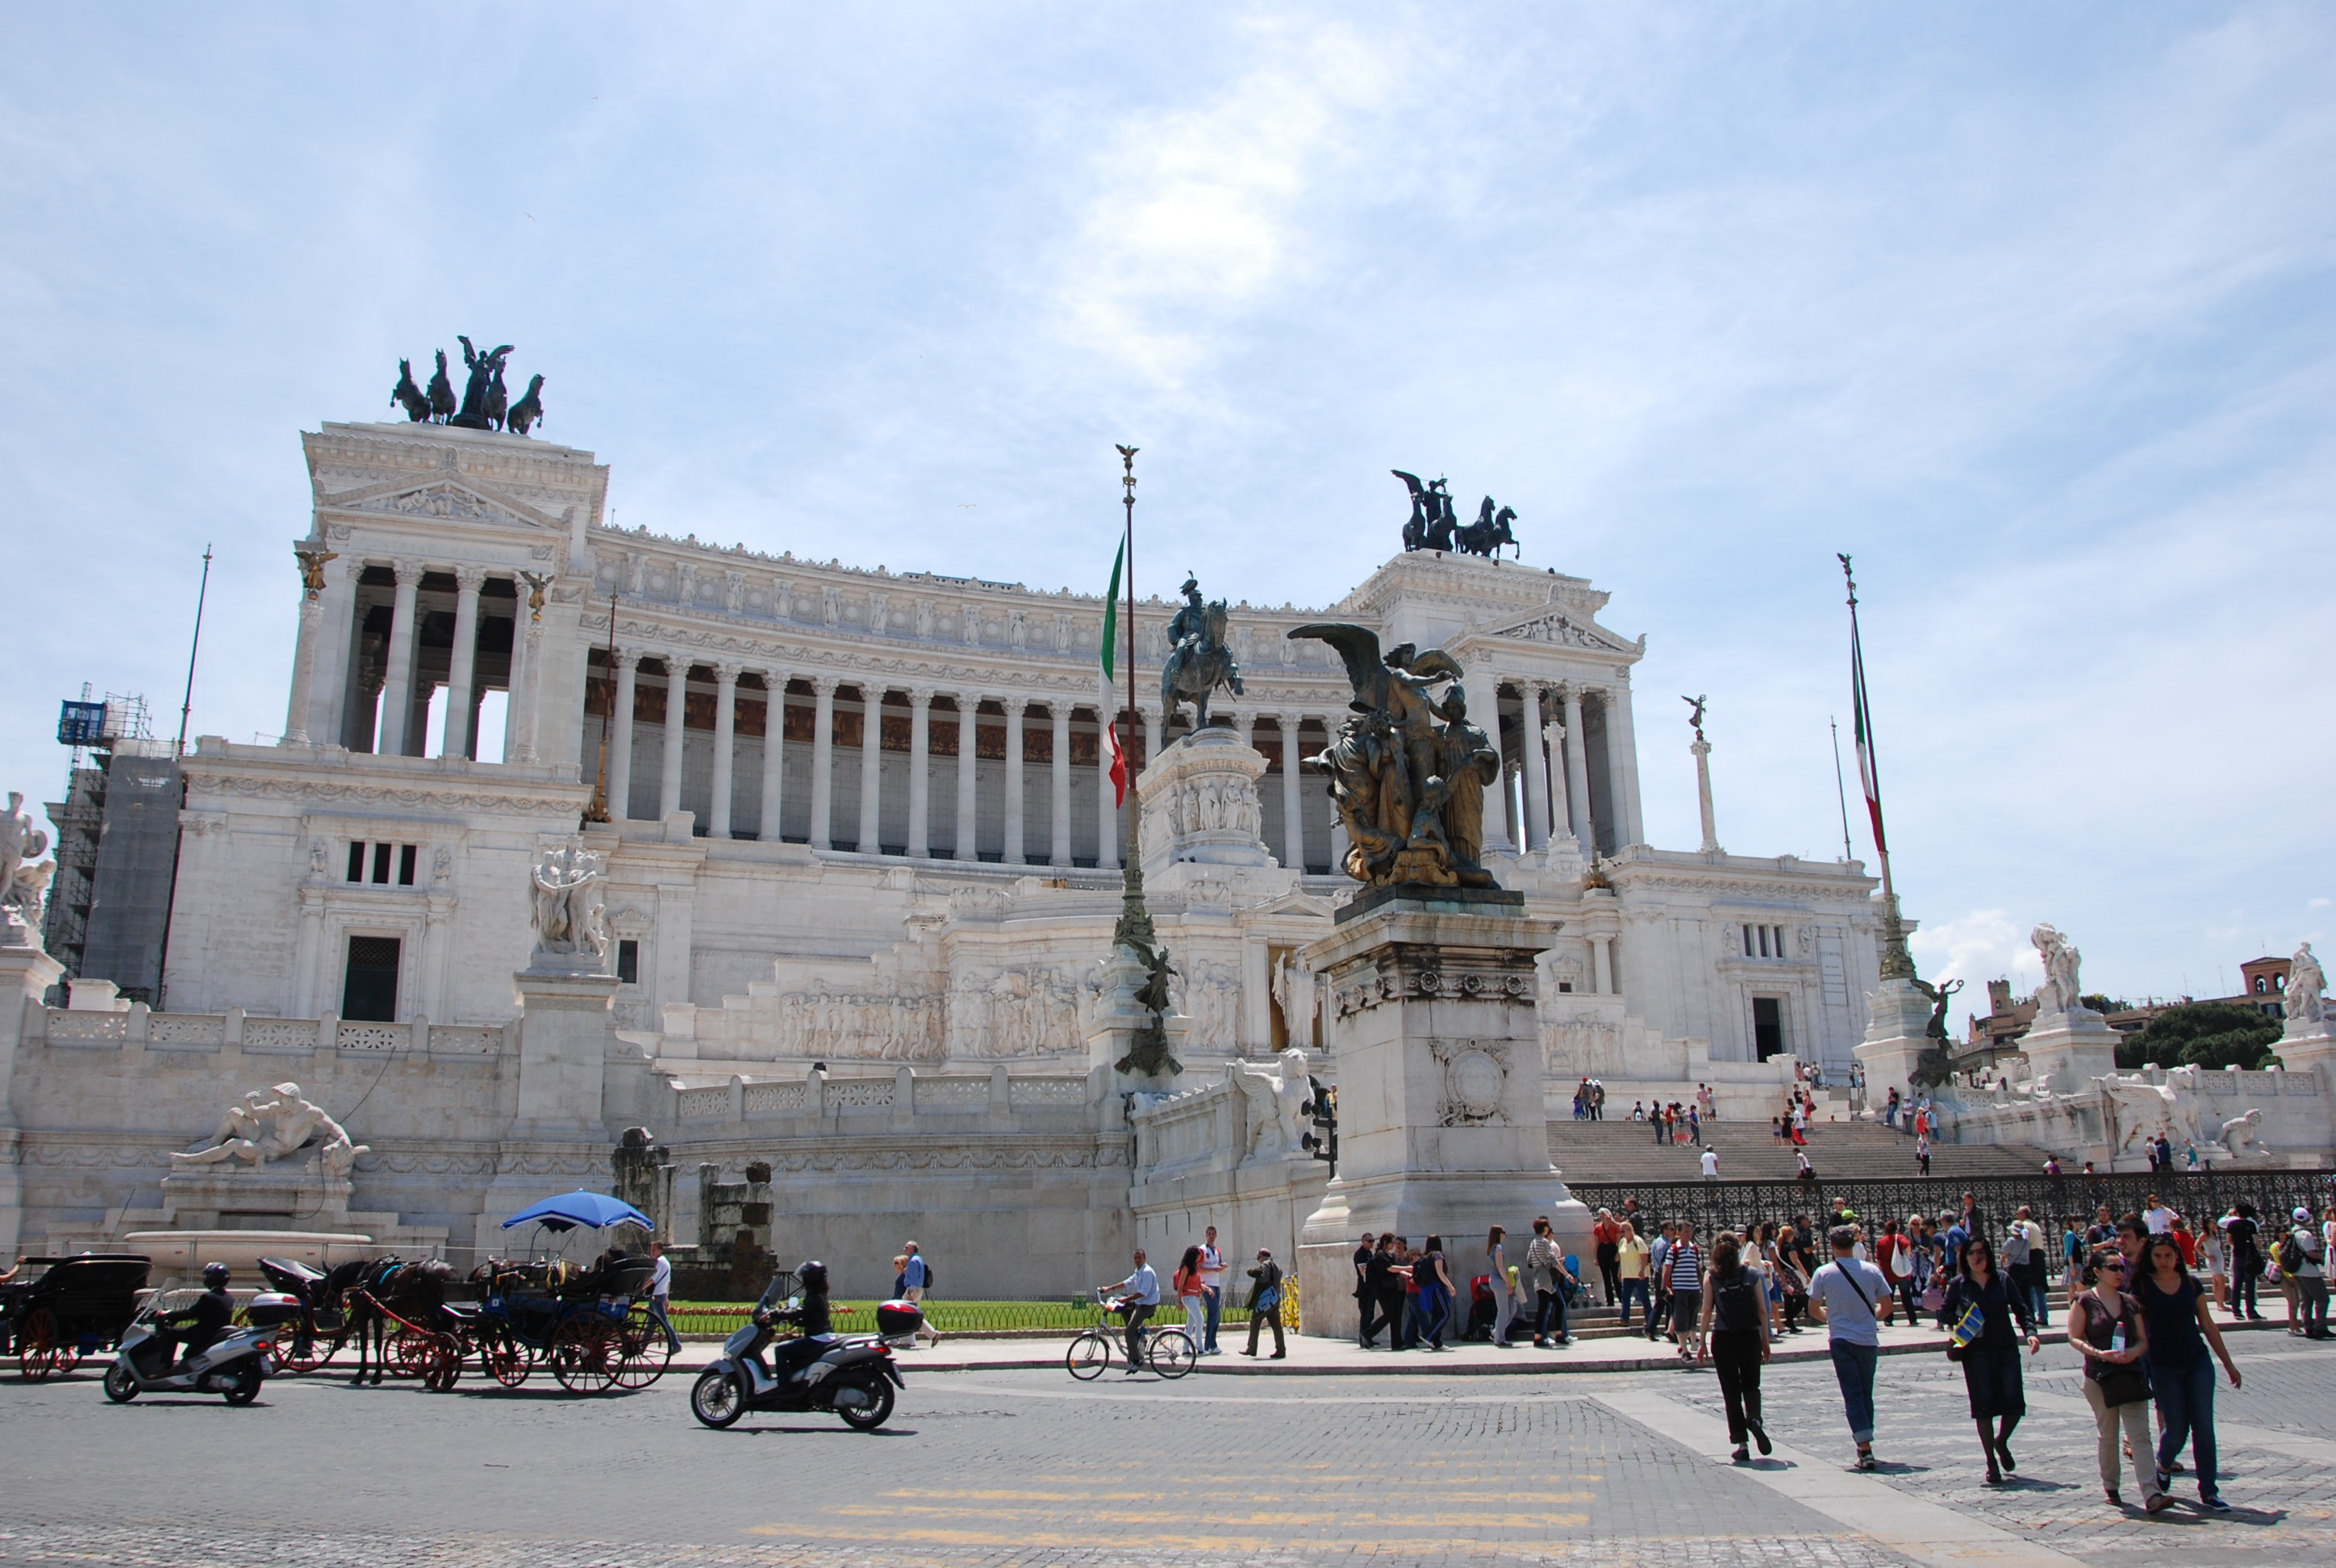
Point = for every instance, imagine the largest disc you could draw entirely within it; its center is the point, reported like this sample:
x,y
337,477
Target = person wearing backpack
x,y
1265,1304
2303,1257
2106,1324
1734,1335
2243,1243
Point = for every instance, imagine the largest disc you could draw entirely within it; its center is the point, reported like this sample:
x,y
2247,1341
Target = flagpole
x,y
1127,544
1869,772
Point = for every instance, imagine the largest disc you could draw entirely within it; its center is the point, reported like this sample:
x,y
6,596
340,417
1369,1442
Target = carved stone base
x,y
2073,1047
1415,867
1442,1127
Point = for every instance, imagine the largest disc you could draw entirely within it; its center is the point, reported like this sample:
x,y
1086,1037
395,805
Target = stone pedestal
x,y
26,973
1200,805
1441,1129
1897,1036
1118,1019
563,1052
2309,1048
2074,1047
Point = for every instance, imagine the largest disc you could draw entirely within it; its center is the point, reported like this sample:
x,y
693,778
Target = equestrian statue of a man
x,y
1198,661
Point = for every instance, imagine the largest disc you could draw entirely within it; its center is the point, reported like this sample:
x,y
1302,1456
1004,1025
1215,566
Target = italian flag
x,y
1868,778
1109,708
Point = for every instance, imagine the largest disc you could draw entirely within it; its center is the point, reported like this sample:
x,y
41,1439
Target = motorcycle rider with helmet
x,y
811,1319
200,1326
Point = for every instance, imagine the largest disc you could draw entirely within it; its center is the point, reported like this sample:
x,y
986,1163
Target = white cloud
x,y
1981,946
2317,904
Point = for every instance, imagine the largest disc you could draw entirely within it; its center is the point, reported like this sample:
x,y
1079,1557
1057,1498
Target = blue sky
x,y
2029,308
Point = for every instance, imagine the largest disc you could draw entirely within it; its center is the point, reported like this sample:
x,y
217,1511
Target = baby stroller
x,y
1483,1309
1577,1294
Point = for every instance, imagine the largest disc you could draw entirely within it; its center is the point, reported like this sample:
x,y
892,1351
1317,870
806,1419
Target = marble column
x,y
518,707
1484,691
1622,764
1293,797
968,759
1577,773
397,690
1601,964
1702,750
304,670
920,783
1536,762
621,735
770,828
676,713
872,768
823,761
454,738
726,735
1015,707
1106,796
328,702
1058,794
1151,736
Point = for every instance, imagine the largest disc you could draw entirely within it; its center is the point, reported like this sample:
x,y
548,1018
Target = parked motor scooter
x,y
145,1363
853,1377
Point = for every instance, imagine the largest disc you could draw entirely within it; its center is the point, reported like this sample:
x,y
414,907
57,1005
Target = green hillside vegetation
x,y
2204,1035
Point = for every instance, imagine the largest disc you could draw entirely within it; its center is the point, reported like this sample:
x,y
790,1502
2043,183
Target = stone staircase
x,y
1613,1151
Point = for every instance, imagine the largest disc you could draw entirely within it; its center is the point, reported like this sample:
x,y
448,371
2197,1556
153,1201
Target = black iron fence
x,y
1730,1206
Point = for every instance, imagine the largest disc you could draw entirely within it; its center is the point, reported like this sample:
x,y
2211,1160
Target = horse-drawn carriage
x,y
589,1325
71,1308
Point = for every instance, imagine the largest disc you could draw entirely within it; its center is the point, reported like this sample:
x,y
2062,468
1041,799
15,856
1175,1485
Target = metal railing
x,y
1730,1206
1054,1315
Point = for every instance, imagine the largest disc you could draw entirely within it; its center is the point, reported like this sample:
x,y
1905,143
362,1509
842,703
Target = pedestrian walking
x,y
1982,1306
1733,1334
916,1279
1545,1269
1893,1255
661,1296
1844,1296
2181,1331
1630,1269
1922,1154
1411,1282
2024,1262
1367,1295
1505,1305
2304,1258
1212,1286
1605,1239
1265,1304
1191,1294
1659,1251
1710,1164
2106,1324
1393,1279
2243,1242
1684,1268
1434,1292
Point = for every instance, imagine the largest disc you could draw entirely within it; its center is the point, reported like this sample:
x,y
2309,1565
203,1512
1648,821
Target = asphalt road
x,y
1029,1467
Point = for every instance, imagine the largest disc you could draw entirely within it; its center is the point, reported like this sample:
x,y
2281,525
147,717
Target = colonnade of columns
x,y
1555,762
1020,845
333,689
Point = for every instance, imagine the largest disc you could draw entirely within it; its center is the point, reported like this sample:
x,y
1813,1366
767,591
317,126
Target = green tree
x,y
2204,1035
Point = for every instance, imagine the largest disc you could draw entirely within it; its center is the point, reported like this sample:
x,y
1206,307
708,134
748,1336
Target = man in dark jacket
x,y
1265,1303
200,1326
811,1319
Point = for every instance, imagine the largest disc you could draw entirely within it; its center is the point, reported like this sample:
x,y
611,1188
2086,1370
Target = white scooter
x,y
146,1363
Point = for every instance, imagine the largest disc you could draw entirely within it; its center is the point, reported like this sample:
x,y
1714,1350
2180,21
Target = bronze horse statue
x,y
408,394
528,411
442,392
1197,667
1490,531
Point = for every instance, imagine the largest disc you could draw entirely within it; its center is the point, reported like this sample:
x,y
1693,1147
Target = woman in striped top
x,y
1683,1268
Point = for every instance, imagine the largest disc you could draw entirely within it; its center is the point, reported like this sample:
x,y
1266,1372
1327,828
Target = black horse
x,y
528,411
410,396
1490,531
371,1292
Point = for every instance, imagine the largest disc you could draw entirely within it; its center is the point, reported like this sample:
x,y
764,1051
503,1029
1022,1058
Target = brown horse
x,y
372,1292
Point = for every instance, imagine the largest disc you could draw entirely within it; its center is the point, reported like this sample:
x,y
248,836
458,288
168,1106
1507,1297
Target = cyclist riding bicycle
x,y
1141,1301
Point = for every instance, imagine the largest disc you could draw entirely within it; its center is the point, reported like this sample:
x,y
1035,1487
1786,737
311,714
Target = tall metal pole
x,y
1127,482
1839,791
187,706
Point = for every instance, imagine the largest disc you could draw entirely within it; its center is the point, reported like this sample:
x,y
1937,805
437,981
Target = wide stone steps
x,y
1613,1151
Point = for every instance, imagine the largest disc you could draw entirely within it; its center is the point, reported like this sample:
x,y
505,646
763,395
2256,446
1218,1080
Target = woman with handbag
x,y
1981,1304
2106,1324
2181,1331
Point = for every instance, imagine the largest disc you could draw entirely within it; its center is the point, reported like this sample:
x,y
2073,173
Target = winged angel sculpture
x,y
1408,771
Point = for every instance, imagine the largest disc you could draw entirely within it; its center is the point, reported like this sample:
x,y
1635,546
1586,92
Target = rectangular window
x,y
369,992
628,962
381,861
406,855
1779,931
356,862
1768,1026
1747,942
1764,941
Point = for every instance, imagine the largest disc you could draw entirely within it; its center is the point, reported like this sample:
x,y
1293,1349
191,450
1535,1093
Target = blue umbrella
x,y
580,1207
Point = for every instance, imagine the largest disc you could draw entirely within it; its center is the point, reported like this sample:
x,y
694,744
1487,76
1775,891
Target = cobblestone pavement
x,y
1028,1469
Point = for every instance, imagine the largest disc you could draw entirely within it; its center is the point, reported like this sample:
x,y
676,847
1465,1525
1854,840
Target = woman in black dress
x,y
1991,1360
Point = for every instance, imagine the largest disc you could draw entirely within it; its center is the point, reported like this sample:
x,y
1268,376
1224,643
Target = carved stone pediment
x,y
440,499
1559,629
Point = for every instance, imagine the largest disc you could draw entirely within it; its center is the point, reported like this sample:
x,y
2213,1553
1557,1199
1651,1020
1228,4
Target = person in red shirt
x,y
2187,1240
1896,1259
1606,1237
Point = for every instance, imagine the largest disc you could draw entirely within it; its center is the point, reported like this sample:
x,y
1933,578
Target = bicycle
x,y
1168,1350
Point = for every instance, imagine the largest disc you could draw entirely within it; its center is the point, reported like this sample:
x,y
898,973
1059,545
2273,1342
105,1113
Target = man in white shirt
x,y
1213,1287
1139,1298
1845,1296
2310,1276
660,1291
1710,1164
2157,1216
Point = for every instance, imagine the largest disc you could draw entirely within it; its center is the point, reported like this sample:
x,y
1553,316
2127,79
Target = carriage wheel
x,y
301,1348
444,1367
412,1353
38,1351
503,1360
584,1354
642,1353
